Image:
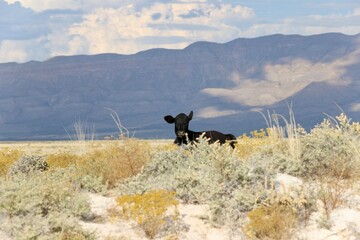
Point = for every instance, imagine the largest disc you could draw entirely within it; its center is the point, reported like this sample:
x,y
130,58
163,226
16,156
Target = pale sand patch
x,y
192,216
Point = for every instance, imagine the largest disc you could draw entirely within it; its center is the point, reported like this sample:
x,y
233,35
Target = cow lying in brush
x,y
183,134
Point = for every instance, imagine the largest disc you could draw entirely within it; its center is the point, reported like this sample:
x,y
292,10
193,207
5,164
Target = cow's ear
x,y
190,115
169,119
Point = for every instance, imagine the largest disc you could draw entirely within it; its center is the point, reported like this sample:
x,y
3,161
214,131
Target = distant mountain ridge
x,y
224,84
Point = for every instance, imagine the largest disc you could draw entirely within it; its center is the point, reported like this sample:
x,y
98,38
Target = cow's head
x,y
181,122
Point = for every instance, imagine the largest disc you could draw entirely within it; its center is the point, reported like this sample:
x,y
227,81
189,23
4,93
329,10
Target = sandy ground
x,y
191,220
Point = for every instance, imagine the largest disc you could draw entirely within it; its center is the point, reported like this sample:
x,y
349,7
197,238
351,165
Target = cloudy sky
x,y
41,29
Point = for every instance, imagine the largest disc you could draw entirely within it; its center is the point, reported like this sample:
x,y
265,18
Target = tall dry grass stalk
x,y
290,132
82,133
123,131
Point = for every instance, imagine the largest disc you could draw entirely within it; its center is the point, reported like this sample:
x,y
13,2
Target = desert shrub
x,y
278,215
193,167
42,206
149,210
116,162
165,147
7,158
199,173
276,150
89,182
28,164
331,150
61,160
271,222
330,156
272,158
333,193
248,145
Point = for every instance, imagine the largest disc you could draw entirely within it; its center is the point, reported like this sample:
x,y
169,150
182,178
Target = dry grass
x,y
54,147
117,161
71,147
275,221
7,158
149,210
248,145
61,160
112,161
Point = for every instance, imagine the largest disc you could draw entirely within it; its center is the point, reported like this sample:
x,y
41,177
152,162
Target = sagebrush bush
x,y
328,155
87,172
42,206
29,164
199,173
272,158
149,210
7,158
331,150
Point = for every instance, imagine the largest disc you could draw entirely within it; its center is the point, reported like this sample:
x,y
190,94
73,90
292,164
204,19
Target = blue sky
x,y
39,30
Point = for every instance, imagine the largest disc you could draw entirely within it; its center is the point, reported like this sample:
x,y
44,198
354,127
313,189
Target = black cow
x,y
183,133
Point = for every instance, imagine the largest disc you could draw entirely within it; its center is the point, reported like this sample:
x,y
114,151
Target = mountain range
x,y
225,84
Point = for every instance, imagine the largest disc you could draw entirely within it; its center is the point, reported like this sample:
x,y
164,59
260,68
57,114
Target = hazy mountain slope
x,y
41,99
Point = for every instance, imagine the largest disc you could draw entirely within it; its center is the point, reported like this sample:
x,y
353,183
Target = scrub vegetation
x,y
45,195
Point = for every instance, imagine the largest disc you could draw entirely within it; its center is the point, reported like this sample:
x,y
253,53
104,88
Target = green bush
x,y
42,206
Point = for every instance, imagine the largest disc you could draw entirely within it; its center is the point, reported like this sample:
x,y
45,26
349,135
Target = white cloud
x,y
355,107
308,25
356,12
23,50
171,25
213,112
44,5
12,51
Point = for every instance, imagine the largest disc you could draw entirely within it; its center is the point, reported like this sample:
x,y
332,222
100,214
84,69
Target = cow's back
x,y
215,136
